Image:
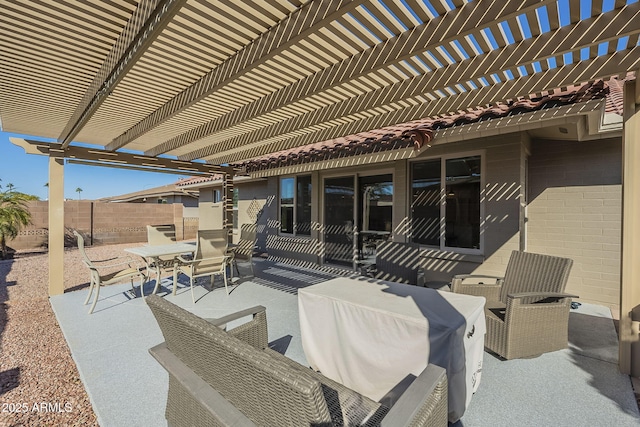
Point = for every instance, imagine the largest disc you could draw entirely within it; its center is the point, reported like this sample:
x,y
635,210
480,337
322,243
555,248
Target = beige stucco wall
x,y
575,211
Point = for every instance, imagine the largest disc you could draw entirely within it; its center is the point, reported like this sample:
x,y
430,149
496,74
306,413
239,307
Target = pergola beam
x,y
588,33
117,159
276,138
469,19
301,23
147,22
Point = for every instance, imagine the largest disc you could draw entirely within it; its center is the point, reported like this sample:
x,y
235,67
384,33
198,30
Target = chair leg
x,y
193,298
251,265
95,299
155,288
86,301
175,279
235,262
224,276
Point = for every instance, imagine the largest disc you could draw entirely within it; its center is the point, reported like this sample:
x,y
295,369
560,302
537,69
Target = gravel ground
x,y
39,381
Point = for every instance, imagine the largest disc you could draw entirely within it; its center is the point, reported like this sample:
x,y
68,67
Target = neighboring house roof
x,y
162,191
420,132
199,180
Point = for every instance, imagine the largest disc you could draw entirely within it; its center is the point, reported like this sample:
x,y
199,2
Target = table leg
x,y
175,277
155,288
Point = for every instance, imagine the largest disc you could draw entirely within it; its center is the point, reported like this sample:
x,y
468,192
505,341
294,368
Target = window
x,y
445,202
295,205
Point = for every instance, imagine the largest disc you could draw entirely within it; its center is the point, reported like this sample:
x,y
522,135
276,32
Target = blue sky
x,y
29,173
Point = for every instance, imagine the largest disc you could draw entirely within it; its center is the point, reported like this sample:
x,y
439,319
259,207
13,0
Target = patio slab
x,y
128,387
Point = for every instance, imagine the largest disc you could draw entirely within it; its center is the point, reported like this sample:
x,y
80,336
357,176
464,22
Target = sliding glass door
x,y
357,217
339,198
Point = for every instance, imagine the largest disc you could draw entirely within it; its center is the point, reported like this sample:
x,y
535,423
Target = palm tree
x,y
13,216
79,190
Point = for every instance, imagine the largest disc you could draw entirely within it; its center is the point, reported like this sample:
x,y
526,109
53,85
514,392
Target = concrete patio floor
x,y
127,387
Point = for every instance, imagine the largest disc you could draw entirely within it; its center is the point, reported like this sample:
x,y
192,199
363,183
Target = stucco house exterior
x,y
447,195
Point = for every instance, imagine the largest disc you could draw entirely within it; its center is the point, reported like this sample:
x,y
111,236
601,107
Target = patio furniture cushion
x,y
218,379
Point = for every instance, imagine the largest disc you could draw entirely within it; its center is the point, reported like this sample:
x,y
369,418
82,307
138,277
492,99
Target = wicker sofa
x,y
220,378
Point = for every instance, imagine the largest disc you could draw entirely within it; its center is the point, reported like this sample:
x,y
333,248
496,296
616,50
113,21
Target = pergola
x,y
193,86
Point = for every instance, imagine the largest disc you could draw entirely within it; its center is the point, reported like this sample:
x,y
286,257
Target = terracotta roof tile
x,y
418,133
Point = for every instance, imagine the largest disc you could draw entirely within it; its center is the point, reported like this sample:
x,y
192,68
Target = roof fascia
x,y
518,123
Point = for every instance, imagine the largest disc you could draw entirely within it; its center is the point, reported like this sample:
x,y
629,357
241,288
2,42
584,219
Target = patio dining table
x,y
374,336
153,253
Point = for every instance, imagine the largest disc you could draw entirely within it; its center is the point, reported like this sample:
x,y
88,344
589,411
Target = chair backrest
x,y
85,257
211,243
267,390
530,272
247,243
161,234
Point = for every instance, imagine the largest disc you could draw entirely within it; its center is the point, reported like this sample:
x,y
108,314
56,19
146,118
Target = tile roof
x,y
420,132
198,179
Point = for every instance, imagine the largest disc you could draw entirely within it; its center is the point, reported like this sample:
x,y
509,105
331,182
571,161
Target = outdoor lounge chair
x,y
108,271
210,258
245,247
233,379
161,235
527,312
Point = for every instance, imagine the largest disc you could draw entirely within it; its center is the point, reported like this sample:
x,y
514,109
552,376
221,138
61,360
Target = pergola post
x,y
629,356
56,223
227,202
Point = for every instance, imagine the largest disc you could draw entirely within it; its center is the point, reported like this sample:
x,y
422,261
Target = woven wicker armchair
x,y
220,378
527,312
161,235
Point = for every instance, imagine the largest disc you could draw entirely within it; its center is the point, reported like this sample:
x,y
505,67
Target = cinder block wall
x,y
103,223
574,210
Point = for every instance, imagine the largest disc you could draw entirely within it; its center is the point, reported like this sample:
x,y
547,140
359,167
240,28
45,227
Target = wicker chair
x,y
245,247
210,258
108,271
161,235
219,378
527,312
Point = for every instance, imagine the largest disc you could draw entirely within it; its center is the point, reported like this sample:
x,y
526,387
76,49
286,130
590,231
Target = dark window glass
x,y
303,206
286,204
462,218
425,202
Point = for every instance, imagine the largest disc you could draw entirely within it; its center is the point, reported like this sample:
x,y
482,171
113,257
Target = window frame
x,y
295,232
443,203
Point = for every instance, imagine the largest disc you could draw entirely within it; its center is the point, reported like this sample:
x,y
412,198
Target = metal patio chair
x,y
210,258
527,311
161,235
245,247
108,271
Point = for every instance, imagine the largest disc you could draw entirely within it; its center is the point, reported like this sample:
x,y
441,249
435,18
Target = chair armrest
x,y
476,276
122,261
253,332
491,291
212,401
558,295
425,397
185,261
237,315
